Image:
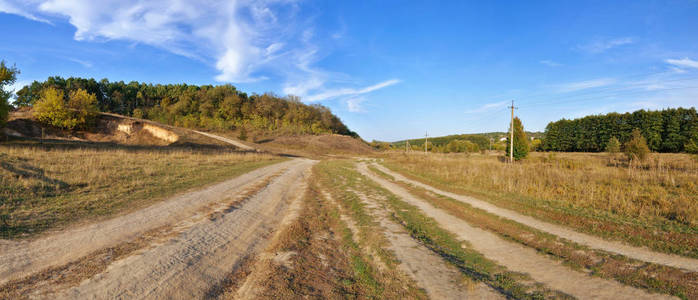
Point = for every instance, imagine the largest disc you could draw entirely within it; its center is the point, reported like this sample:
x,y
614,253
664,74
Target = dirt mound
x,y
109,128
317,145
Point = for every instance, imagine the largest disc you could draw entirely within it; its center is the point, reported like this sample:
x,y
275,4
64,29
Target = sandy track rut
x,y
192,264
428,270
638,253
19,259
518,258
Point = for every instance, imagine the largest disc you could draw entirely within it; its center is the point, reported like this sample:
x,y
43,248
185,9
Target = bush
x,y
636,148
613,145
78,111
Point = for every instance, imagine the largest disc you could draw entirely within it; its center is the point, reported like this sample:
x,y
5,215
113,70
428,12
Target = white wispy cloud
x,y
342,92
583,85
20,10
684,62
487,107
245,40
550,63
84,63
599,46
354,104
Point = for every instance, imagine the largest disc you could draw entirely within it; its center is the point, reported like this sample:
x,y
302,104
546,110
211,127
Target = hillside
x,y
221,108
112,130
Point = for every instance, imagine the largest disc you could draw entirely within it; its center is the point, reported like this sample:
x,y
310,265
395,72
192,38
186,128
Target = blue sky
x,y
389,69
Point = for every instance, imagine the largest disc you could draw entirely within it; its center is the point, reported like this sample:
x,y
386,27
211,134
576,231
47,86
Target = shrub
x,y
78,111
613,145
636,148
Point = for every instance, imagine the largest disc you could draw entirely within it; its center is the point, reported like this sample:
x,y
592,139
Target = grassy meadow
x,y
651,203
46,186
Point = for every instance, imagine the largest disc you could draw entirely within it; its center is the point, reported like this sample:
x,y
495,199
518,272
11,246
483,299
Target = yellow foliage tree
x,y
77,112
83,105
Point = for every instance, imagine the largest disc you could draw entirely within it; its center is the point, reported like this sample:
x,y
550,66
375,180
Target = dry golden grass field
x,y
653,204
52,184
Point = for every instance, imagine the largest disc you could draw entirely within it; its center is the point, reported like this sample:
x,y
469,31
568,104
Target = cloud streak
x,y
343,92
684,62
20,10
583,85
600,46
487,107
550,63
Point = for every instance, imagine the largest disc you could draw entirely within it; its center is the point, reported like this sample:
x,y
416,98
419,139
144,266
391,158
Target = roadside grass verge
x,y
424,229
652,205
47,188
652,277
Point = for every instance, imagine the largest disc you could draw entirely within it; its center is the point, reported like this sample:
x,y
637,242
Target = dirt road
x,y
518,258
638,253
199,237
235,143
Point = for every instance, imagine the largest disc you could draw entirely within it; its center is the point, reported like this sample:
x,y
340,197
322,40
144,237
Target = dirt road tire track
x,y
638,253
428,270
518,258
19,259
188,266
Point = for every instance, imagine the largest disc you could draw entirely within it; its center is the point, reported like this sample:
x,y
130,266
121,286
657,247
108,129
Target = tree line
x,y
220,107
668,130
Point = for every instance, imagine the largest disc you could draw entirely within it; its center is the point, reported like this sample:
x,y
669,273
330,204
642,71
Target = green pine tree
x,y
636,148
613,145
520,141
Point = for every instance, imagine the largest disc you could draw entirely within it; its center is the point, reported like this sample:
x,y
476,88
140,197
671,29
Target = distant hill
x,y
481,139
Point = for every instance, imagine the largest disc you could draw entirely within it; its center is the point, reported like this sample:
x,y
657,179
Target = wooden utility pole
x,y
426,141
511,141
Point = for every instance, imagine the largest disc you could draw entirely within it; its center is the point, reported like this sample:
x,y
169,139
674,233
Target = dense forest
x,y
668,130
220,107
